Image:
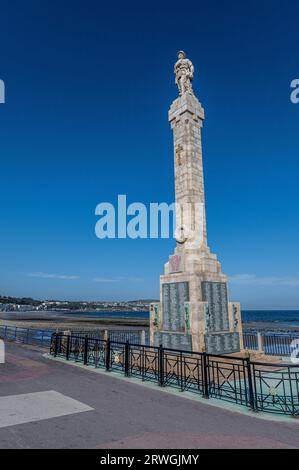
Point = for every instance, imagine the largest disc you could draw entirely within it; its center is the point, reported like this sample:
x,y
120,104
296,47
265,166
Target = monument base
x,y
194,313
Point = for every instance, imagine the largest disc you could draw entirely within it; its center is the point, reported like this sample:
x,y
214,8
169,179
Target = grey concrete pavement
x,y
124,415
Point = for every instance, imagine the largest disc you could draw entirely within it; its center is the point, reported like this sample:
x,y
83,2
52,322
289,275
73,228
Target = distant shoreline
x,y
121,319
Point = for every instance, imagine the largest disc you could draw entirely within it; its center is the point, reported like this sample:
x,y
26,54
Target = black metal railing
x,y
258,386
270,343
250,340
278,344
42,337
31,336
133,336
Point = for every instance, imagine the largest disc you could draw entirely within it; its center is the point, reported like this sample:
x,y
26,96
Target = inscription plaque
x,y
173,340
215,293
222,343
176,263
174,294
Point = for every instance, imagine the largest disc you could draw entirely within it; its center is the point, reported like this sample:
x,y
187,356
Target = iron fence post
x,y
142,357
85,360
205,375
108,348
56,344
68,348
260,342
127,358
161,365
181,373
250,385
142,338
291,393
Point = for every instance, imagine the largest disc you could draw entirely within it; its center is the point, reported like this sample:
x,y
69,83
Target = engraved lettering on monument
x,y
175,294
173,340
217,343
215,293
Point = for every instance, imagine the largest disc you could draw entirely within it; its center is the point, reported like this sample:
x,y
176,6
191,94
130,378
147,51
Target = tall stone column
x,y
193,313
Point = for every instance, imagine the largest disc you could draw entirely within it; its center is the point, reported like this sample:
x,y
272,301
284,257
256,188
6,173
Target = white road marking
x,y
29,407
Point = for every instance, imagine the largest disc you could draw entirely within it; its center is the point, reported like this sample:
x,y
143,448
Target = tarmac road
x,y
75,408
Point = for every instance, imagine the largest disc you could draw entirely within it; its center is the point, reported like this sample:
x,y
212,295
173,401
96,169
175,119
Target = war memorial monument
x,y
194,313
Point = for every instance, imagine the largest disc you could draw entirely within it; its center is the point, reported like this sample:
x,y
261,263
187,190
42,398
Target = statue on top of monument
x,y
184,73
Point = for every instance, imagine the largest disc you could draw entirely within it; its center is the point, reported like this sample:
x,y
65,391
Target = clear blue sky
x,y
88,87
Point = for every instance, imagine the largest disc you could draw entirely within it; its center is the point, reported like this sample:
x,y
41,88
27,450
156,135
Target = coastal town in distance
x,y
149,283
11,304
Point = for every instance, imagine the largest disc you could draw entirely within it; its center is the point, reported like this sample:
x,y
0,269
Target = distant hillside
x,y
19,300
72,305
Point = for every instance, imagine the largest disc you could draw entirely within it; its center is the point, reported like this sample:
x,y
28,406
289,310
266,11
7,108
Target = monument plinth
x,y
194,313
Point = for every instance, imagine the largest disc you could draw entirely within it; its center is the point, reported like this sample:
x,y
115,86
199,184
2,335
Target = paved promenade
x,y
48,404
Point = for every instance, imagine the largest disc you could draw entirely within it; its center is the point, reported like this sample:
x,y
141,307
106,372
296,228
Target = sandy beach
x,y
62,320
58,320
